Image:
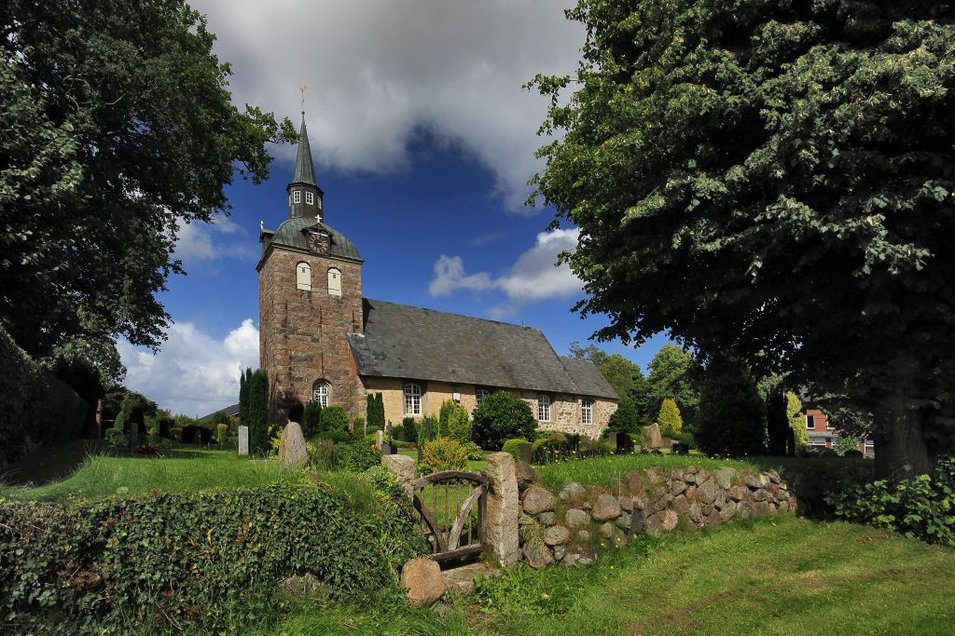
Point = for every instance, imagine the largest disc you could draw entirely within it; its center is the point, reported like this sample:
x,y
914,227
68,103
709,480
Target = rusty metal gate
x,y
452,504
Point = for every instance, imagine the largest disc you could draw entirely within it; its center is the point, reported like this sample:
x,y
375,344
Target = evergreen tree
x,y
258,397
624,419
731,417
671,424
375,412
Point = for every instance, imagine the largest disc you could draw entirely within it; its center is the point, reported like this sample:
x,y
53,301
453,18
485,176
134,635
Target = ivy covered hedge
x,y
193,560
33,403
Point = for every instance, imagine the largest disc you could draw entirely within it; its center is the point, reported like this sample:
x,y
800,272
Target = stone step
x,y
461,579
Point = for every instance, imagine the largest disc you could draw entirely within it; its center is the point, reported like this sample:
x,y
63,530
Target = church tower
x,y
310,299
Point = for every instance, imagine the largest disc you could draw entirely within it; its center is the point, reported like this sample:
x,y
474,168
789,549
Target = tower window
x,y
334,282
587,412
310,197
297,196
303,276
543,408
412,399
810,421
321,392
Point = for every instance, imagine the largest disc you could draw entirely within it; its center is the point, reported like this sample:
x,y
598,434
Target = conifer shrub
x,y
334,418
444,453
499,417
669,419
375,412
410,428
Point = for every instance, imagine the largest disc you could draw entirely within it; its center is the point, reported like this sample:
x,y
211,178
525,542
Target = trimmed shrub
x,y
357,456
475,452
189,562
444,454
513,446
499,417
222,433
671,424
797,422
334,418
322,454
409,428
165,426
624,418
847,444
339,437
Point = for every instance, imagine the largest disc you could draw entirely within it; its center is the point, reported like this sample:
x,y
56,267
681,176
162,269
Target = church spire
x,y
304,195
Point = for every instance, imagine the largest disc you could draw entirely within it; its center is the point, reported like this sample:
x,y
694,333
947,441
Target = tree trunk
x,y
900,448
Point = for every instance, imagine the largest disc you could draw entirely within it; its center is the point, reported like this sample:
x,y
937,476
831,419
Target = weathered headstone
x,y
379,438
387,449
650,436
243,440
292,450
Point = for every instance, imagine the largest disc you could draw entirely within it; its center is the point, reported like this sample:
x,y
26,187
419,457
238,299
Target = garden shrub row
x,y
33,404
192,561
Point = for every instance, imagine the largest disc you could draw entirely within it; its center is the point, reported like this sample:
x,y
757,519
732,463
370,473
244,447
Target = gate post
x,y
402,467
503,508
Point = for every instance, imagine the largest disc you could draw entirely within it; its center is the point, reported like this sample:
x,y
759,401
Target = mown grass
x,y
788,576
605,471
179,471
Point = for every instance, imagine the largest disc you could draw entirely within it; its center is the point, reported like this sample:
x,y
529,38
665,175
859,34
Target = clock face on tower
x,y
318,241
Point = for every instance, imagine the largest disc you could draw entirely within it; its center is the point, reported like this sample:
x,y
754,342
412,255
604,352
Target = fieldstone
x,y
606,530
538,500
586,555
502,508
692,470
606,509
560,551
570,559
761,495
634,481
576,518
547,518
713,519
403,468
292,451
774,488
637,522
650,436
626,504
638,503
583,536
663,521
690,478
677,487
755,482
537,553
773,476
525,476
623,521
556,535
681,505
526,520
724,477
728,510
743,508
421,579
572,492
661,503
708,492
691,493
706,510
738,493
694,513
586,506
300,586
762,509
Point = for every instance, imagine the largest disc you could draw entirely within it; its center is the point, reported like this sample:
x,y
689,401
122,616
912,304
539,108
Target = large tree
x,y
117,129
773,179
673,374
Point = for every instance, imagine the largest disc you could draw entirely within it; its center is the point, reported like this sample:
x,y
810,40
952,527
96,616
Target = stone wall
x,y
571,526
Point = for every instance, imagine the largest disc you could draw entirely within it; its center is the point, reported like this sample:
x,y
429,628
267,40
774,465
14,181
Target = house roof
x,y
292,233
401,341
232,410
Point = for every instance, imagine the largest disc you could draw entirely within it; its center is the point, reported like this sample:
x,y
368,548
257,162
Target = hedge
x,y
33,404
187,561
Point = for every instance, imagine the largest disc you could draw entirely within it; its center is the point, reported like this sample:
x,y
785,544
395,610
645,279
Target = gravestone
x,y
387,449
292,450
243,440
379,438
650,436
624,443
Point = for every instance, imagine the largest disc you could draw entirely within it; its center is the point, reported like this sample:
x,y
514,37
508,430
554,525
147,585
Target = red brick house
x,y
824,434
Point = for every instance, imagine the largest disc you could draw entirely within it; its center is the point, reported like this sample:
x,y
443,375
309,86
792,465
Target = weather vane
x,y
302,89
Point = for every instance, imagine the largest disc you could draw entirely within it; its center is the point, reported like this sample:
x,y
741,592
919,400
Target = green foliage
x,y
846,443
671,424
796,419
501,416
194,561
475,453
358,425
624,419
774,182
922,507
444,454
334,418
731,415
357,456
625,377
254,388
116,438
375,412
454,422
322,454
672,376
95,96
410,428
513,446
336,436
175,433
222,433
311,419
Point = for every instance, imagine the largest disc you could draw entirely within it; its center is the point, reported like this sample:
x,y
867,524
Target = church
x,y
321,340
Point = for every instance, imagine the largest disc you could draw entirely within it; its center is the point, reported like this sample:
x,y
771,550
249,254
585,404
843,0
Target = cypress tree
x,y
258,392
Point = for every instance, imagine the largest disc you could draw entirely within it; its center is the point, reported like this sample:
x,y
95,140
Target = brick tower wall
x,y
303,335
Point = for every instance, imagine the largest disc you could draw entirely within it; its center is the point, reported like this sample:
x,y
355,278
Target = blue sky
x,y
423,142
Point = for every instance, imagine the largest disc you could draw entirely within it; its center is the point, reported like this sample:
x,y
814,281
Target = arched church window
x,y
303,276
321,393
334,282
412,399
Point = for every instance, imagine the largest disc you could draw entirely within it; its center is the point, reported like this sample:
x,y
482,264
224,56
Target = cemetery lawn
x,y
788,576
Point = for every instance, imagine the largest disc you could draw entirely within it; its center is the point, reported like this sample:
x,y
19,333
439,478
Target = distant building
x,y
823,434
321,340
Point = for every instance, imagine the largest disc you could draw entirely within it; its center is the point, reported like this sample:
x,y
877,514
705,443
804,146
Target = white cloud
x,y
195,242
533,277
193,373
379,70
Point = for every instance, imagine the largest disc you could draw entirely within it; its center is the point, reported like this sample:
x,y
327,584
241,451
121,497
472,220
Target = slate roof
x,y
401,341
291,233
304,170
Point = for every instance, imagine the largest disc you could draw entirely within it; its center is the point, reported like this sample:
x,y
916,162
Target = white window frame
x,y
303,276
587,411
336,289
297,196
309,197
321,393
479,395
412,395
543,408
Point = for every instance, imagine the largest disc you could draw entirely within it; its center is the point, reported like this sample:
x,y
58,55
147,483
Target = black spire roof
x,y
304,170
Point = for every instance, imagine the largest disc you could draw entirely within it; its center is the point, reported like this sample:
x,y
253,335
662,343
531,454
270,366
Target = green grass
x,y
181,470
789,576
604,471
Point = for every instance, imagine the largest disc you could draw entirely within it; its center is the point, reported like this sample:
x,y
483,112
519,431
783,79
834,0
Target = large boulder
x,y
422,581
292,450
650,436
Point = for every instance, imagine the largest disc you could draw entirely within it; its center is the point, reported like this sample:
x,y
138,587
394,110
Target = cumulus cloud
x,y
194,373
204,242
533,277
378,71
